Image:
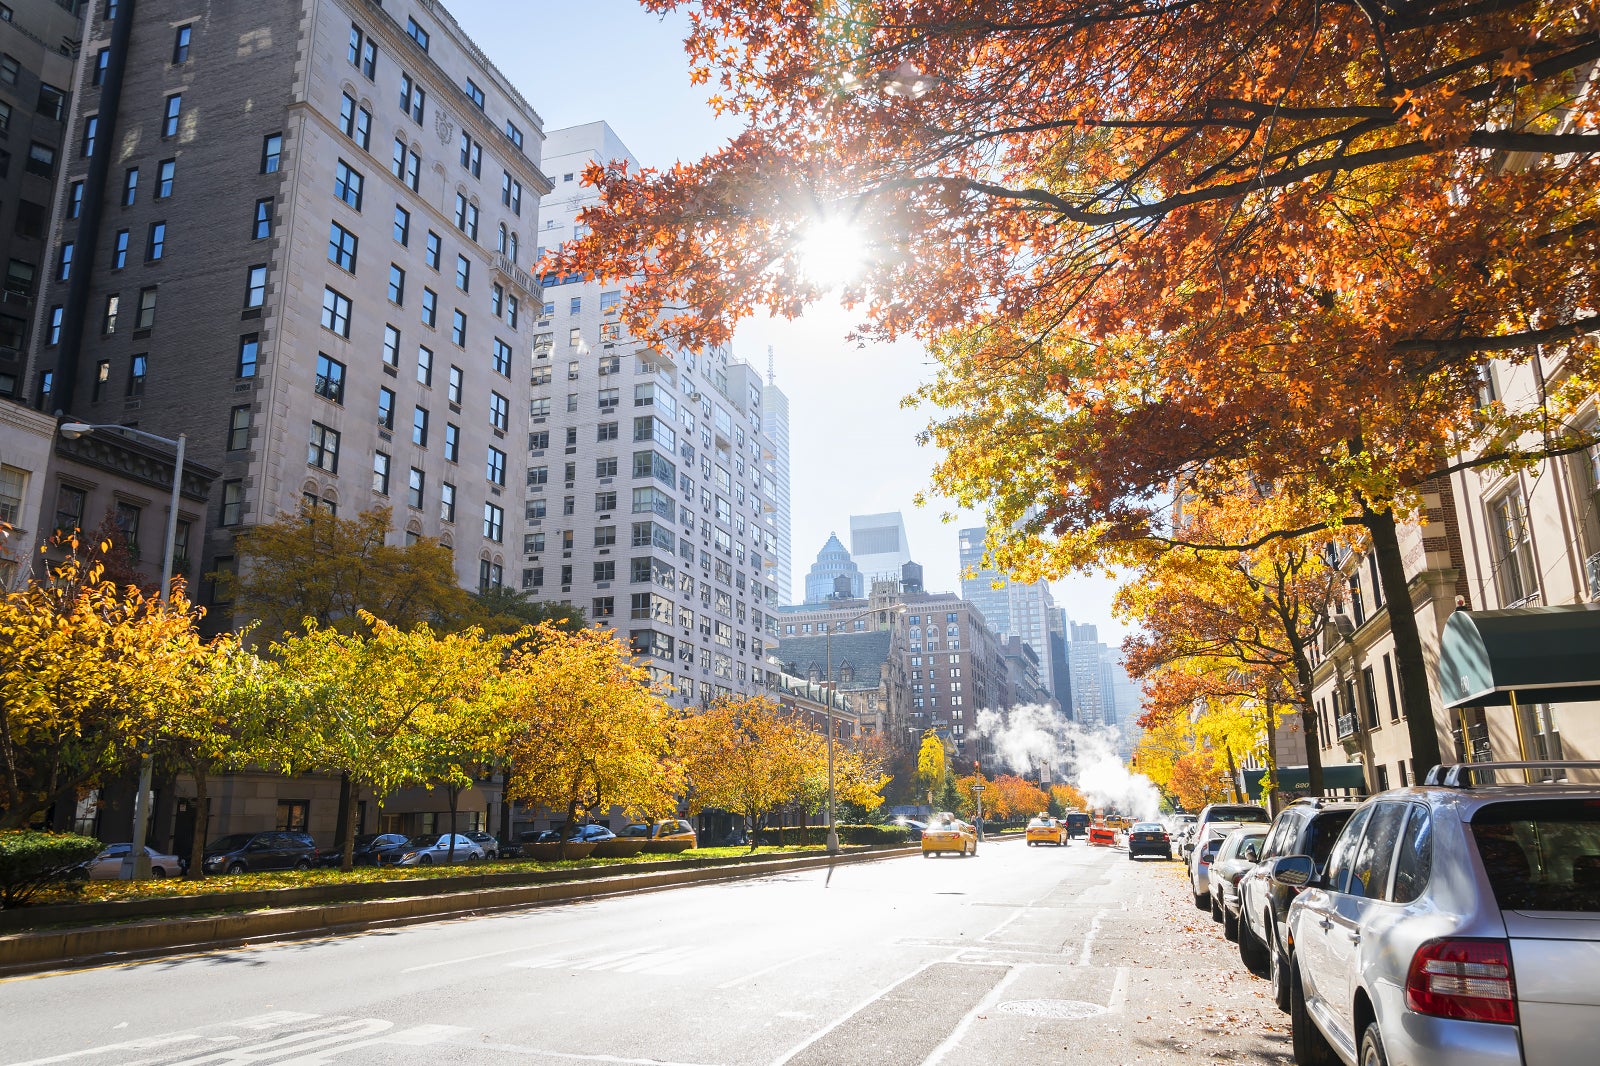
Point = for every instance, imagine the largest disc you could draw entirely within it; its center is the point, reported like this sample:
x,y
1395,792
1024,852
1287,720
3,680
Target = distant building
x,y
1085,656
878,545
833,562
1013,609
775,475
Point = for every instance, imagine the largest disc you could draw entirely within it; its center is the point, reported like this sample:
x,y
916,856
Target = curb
x,y
22,953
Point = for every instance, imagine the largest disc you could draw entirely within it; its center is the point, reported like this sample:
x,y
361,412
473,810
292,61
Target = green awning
x,y
1541,654
1298,778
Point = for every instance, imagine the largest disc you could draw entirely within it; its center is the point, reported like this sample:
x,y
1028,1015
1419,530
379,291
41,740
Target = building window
x,y
166,171
119,250
406,165
74,197
494,520
463,273
425,365
239,428
130,186
397,284
391,346
499,411
156,246
261,227
336,312
1513,549
458,328
380,473
255,291
342,246
347,184
322,451
430,308
64,262
447,502
271,153
363,52
419,426
170,116
476,94
502,358
232,503
417,33
355,121
91,131
415,487
102,61
330,379
113,308
431,250
145,318
180,45
495,467
138,367
249,354
466,216
413,98
385,407
452,442
402,226
471,155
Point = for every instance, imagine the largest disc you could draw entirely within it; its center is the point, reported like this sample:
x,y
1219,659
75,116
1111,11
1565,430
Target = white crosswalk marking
x,y
281,1038
654,959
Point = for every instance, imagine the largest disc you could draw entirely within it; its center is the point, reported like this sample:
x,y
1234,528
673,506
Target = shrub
x,y
31,860
874,834
791,836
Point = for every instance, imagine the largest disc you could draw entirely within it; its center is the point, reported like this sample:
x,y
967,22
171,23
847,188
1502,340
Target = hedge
x,y
789,836
30,860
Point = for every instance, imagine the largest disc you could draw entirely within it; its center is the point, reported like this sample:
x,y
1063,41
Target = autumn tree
x,y
585,729
1154,245
746,756
86,668
313,564
510,611
932,762
1064,798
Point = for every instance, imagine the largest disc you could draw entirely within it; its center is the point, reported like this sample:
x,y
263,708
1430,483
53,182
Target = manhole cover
x,y
1052,1008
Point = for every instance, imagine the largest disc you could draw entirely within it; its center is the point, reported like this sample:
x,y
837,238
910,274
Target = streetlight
x,y
977,830
833,832
136,866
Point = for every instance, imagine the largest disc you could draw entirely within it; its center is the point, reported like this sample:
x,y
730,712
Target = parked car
x,y
1223,812
1208,839
913,827
108,864
435,848
1149,838
1304,827
371,849
1238,856
1046,830
1453,924
239,853
486,841
669,834
948,833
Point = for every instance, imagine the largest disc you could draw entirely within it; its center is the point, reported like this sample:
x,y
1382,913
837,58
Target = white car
x,y
108,864
434,848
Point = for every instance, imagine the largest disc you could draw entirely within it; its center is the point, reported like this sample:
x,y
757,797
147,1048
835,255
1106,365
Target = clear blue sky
x,y
853,449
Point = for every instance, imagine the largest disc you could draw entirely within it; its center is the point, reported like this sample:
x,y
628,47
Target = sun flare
x,y
832,252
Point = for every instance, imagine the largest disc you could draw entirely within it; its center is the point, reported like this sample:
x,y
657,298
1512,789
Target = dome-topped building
x,y
833,563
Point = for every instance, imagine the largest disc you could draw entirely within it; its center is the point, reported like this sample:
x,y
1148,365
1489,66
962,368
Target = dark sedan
x,y
372,849
1149,838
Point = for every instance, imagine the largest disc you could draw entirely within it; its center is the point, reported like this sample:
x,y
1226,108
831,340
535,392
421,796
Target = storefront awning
x,y
1298,778
1539,654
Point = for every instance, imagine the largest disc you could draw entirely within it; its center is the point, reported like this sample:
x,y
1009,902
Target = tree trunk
x,y
346,799
505,805
454,792
1274,793
1233,774
1415,698
347,852
202,818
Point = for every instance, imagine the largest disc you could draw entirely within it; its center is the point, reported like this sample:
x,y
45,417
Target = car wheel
x,y
1202,900
1372,1053
471,857
1277,970
303,864
1252,953
1230,925
1216,908
1130,856
1311,1048
158,871
426,860
236,868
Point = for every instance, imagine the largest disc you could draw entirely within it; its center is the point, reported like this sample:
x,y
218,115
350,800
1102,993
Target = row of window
x,y
363,55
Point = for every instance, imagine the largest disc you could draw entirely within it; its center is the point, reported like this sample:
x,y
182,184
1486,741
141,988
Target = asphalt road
x,y
1019,956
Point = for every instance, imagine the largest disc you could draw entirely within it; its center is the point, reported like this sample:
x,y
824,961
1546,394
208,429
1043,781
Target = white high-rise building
x,y
775,429
647,500
878,545
1014,609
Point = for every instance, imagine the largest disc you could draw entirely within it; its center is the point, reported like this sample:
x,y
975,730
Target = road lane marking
x,y
156,1043
985,1004
467,958
1088,938
541,1053
852,1012
655,959
1119,990
766,970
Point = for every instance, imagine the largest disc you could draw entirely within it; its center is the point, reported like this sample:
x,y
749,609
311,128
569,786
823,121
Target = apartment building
x,y
1013,608
299,233
775,431
648,494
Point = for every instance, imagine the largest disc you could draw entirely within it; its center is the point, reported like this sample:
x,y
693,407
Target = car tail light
x,y
1469,979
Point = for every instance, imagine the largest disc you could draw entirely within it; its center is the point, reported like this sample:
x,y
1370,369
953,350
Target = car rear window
x,y
1245,813
1325,829
1541,855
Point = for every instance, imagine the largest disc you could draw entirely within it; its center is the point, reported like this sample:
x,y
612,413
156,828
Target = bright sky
x,y
853,450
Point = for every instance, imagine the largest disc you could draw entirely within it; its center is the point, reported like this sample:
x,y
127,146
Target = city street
x,y
1021,955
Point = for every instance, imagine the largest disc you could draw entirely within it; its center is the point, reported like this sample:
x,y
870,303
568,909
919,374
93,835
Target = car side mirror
x,y
1293,871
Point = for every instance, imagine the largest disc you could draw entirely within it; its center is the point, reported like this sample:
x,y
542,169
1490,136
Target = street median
x,y
87,934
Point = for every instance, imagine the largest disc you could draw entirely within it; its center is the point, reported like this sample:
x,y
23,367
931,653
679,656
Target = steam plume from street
x,y
1035,737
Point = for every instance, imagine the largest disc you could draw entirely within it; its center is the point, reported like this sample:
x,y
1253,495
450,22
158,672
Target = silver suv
x,y
1452,924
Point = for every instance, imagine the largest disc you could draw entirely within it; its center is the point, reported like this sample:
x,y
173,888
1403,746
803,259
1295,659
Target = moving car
x,y
948,833
1453,924
108,864
1208,840
1238,856
371,849
1118,822
435,848
239,853
1304,827
1046,830
1078,824
1149,838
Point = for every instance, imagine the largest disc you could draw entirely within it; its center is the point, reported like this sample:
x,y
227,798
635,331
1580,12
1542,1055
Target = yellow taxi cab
x,y
1047,830
1118,822
946,832
669,835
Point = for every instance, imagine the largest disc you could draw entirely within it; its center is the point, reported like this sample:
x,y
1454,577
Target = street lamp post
x,y
833,831
136,866
977,830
